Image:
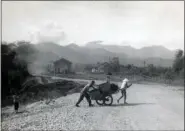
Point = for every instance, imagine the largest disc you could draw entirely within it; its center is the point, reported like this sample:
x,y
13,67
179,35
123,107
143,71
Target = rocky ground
x,y
149,107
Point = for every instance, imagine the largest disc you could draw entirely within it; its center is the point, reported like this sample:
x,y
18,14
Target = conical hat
x,y
125,80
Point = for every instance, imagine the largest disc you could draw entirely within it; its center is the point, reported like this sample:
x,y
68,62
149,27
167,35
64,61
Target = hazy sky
x,y
132,23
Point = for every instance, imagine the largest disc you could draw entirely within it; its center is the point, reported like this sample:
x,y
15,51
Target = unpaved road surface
x,y
151,107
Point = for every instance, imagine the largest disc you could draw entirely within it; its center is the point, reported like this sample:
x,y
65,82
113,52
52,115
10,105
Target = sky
x,y
134,23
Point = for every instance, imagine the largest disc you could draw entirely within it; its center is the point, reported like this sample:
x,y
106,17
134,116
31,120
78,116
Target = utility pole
x,y
54,69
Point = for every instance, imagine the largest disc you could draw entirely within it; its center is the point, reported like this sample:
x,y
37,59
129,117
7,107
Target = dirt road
x,y
150,107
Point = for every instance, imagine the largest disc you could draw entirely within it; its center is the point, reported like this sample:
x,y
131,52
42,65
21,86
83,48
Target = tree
x,y
182,73
13,71
26,51
115,64
169,76
178,64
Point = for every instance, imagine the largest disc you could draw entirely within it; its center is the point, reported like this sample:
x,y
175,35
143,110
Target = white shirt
x,y
123,85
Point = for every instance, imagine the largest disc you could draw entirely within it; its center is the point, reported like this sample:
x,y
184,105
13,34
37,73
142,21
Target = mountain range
x,y
95,51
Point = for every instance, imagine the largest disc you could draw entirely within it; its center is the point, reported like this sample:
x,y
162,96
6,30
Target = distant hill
x,y
77,54
65,52
73,46
94,52
145,52
94,44
156,51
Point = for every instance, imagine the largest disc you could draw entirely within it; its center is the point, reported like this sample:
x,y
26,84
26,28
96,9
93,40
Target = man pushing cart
x,y
102,93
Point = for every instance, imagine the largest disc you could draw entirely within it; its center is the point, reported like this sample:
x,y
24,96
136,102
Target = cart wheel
x,y
108,100
100,102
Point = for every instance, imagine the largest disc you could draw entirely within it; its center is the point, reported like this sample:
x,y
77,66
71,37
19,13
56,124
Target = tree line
x,y
14,66
176,70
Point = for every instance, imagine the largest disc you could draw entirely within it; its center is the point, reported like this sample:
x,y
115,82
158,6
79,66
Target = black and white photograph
x,y
92,65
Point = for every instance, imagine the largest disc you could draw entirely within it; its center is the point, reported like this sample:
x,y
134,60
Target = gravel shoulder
x,y
150,107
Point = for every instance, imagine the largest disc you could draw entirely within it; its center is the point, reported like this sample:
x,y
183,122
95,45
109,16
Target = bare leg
x,y
16,106
80,99
88,99
122,94
125,96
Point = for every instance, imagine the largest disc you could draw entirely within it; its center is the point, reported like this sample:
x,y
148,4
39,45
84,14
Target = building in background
x,y
62,66
101,68
104,67
50,67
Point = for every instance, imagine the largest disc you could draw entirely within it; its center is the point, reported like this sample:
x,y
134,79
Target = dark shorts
x,y
16,105
123,91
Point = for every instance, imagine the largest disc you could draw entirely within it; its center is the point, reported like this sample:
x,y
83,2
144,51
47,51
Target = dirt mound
x,y
41,88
